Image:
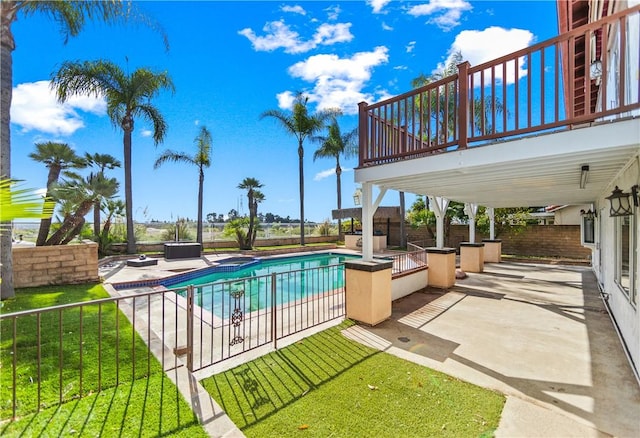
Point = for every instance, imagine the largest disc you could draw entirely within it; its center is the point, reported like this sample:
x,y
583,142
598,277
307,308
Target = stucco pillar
x,y
367,222
442,267
368,290
472,257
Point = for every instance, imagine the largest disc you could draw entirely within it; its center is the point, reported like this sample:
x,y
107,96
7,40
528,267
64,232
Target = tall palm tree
x,y
301,124
102,162
58,157
128,97
254,196
333,145
71,17
201,159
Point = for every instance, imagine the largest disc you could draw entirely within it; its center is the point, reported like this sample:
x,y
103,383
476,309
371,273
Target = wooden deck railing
x,y
549,86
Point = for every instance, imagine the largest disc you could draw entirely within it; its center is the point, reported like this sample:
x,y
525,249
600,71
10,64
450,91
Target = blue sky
x,y
232,60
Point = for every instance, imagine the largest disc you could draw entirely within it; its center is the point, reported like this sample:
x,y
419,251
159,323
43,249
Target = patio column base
x,y
442,267
472,257
492,250
368,290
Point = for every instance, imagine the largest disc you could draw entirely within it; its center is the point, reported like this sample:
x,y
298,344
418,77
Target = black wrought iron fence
x,y
52,355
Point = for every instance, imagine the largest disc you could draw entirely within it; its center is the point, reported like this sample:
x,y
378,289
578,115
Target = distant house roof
x,y
356,213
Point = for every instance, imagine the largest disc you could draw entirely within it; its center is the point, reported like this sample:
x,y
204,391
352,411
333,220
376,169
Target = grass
x,y
98,377
327,385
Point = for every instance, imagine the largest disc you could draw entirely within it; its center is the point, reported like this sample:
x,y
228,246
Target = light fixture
x,y
357,196
584,172
620,205
595,70
589,214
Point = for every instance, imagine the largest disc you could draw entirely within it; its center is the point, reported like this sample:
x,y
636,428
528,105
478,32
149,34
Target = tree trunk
x,y
74,232
45,223
6,83
301,183
128,192
96,218
70,224
200,194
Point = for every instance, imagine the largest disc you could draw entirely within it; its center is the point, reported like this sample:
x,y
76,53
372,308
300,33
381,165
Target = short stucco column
x,y
472,257
368,290
492,250
442,267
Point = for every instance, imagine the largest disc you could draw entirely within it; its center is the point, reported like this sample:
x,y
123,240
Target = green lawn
x,y
327,385
113,384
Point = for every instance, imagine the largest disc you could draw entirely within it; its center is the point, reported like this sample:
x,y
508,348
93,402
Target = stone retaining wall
x,y
59,264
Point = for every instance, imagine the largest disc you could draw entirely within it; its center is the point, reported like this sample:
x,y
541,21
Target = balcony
x,y
537,90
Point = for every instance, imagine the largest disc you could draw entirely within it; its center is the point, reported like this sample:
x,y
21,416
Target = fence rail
x,y
70,351
407,262
515,95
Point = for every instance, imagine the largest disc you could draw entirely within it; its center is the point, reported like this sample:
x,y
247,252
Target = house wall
x,y
569,215
625,312
60,264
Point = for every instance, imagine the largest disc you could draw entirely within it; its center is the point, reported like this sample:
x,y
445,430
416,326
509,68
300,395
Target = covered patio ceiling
x,y
534,171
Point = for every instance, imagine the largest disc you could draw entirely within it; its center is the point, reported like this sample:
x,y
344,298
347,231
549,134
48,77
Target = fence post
x,y
363,133
190,328
463,104
274,333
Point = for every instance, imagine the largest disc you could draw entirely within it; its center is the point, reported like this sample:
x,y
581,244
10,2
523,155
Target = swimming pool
x,y
247,286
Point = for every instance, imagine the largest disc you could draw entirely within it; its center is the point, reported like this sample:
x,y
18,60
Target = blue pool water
x,y
248,285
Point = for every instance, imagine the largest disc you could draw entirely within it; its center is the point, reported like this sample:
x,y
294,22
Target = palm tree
x,y
301,125
201,159
128,96
81,195
57,157
443,103
71,17
101,162
334,145
254,196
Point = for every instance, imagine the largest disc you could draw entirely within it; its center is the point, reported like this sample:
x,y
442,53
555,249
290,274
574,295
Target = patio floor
x,y
538,333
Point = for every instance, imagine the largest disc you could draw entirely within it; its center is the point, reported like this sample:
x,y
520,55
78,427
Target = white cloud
x,y
324,174
480,46
279,35
34,107
446,13
338,82
409,48
146,133
329,172
333,12
377,5
297,9
385,26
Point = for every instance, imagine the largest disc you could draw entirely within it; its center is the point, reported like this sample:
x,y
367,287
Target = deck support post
x,y
439,206
492,223
471,210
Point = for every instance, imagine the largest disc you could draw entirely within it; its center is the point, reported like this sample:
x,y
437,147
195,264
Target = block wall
x,y
59,264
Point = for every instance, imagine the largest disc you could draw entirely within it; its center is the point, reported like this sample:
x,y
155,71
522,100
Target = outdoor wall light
x,y
584,173
620,205
596,70
634,194
589,214
357,196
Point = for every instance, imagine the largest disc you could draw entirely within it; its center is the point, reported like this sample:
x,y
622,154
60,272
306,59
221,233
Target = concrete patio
x,y
538,333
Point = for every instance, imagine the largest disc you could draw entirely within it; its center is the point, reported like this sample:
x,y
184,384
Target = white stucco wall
x,y
626,314
569,215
